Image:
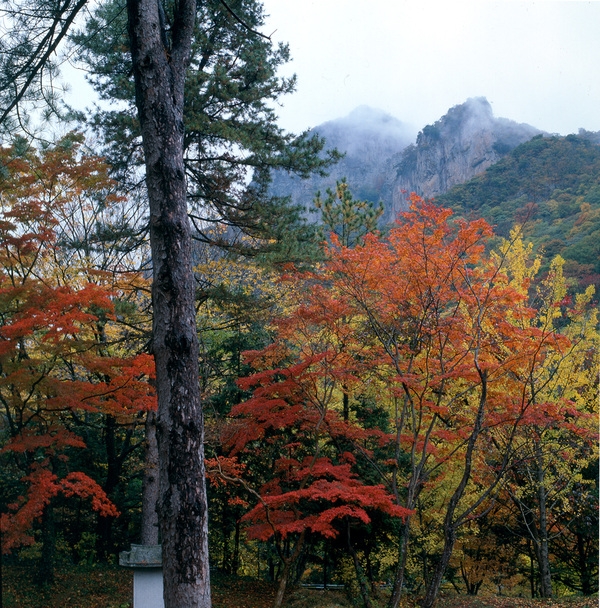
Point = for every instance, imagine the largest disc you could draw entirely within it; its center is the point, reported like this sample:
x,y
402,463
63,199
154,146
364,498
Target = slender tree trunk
x,y
472,586
433,588
587,587
531,570
235,565
542,542
284,578
282,586
150,485
371,574
46,562
401,567
160,56
345,404
413,490
325,564
114,466
360,575
451,523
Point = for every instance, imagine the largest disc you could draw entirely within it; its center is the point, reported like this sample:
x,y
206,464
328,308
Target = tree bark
x,y
286,570
150,486
160,57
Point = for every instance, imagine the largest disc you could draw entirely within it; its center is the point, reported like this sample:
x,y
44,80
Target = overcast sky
x,y
536,62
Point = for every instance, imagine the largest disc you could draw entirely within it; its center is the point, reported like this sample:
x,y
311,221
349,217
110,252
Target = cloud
x,y
535,61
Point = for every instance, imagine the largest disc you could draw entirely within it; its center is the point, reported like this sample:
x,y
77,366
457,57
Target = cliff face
x,y
381,163
462,144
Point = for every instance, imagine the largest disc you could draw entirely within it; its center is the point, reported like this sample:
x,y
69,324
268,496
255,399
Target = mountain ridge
x,y
460,145
480,166
385,159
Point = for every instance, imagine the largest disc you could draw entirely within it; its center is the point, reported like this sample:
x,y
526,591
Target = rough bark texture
x,y
150,486
160,58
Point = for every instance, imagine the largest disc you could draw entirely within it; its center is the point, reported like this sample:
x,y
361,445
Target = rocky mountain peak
x,y
382,163
461,144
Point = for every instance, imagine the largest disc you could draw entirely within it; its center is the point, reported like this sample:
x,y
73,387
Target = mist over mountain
x,y
383,162
370,139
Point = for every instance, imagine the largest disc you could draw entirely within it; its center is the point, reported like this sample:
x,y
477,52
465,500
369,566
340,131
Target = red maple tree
x,y
59,354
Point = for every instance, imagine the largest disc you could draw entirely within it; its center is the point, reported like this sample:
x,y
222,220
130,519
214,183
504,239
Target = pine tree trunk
x,y
160,56
150,486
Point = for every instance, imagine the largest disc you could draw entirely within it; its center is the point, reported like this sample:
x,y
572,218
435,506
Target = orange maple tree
x,y
436,332
455,330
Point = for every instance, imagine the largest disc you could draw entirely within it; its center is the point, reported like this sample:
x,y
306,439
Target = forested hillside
x,y
551,186
460,145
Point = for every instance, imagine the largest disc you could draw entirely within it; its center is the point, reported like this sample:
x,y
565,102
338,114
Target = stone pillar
x,y
146,561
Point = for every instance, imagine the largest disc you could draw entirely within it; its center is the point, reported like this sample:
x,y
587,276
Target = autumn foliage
x,y
59,354
409,403
449,344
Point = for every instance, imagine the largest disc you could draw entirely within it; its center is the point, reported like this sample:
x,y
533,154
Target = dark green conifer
x,y
232,141
346,217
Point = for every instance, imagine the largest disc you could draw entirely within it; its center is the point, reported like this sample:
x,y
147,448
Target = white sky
x,y
536,62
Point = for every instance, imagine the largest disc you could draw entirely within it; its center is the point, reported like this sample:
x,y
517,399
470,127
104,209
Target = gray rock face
x,y
462,144
381,163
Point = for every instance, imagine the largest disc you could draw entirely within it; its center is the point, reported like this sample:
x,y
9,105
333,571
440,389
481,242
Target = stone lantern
x,y
146,561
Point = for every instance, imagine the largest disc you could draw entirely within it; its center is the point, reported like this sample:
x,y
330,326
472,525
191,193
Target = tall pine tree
x,y
232,142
